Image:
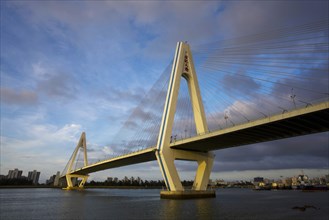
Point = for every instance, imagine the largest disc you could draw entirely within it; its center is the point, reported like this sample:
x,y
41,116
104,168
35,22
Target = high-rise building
x,y
56,180
15,174
326,178
51,180
34,176
258,180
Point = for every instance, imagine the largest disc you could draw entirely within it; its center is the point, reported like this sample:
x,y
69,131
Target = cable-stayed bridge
x,y
233,92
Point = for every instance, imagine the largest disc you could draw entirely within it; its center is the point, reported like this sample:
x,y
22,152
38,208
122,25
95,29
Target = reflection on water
x,y
146,204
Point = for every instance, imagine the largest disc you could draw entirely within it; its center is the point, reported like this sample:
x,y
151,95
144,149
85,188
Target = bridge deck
x,y
312,119
124,160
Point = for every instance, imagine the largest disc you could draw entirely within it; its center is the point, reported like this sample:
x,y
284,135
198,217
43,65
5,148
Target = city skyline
x,y
64,70
239,176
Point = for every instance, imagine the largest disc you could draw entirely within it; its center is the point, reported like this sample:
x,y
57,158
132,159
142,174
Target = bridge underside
x,y
268,129
125,160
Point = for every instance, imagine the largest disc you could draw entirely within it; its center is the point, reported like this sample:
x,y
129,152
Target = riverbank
x,y
28,186
86,187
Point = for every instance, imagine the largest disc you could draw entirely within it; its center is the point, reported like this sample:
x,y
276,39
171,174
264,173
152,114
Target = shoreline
x,y
151,187
86,187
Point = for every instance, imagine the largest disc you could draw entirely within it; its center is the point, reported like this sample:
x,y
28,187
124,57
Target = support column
x,y
203,173
71,185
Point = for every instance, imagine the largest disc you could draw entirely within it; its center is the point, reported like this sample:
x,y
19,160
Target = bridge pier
x,y
192,194
71,184
172,180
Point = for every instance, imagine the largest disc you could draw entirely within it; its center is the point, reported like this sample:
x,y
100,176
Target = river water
x,y
146,204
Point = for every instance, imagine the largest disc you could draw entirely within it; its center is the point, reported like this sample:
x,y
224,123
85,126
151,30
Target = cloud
x,y
243,18
39,70
240,85
125,96
86,66
303,152
311,86
15,97
58,86
36,145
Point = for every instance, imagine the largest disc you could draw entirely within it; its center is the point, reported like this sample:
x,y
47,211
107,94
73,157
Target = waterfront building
x,y
14,174
34,176
327,178
302,179
51,180
258,180
139,180
287,182
220,182
56,180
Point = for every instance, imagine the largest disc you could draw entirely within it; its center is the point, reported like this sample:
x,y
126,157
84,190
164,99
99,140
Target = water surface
x,y
146,204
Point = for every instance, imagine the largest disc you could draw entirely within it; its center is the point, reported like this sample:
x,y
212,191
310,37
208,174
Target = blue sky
x,y
69,66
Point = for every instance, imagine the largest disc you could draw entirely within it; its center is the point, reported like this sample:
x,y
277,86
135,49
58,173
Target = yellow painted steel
x,y
195,148
71,185
183,66
81,144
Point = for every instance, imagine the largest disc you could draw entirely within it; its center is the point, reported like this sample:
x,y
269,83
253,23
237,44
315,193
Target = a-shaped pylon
x,y
183,66
71,179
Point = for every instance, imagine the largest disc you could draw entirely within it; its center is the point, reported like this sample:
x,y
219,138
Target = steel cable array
x,y
241,80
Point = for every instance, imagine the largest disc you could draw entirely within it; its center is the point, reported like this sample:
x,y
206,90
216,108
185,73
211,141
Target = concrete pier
x,y
188,194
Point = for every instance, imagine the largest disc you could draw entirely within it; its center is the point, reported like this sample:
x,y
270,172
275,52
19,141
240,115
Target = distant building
x,y
302,179
56,180
287,182
294,182
109,179
51,180
34,176
219,182
327,178
14,174
258,180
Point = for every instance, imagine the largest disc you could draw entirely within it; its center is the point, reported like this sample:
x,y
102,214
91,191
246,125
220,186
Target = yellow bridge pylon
x,y
73,179
183,66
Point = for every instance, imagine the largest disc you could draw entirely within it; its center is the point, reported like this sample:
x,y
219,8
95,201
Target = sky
x,y
69,66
